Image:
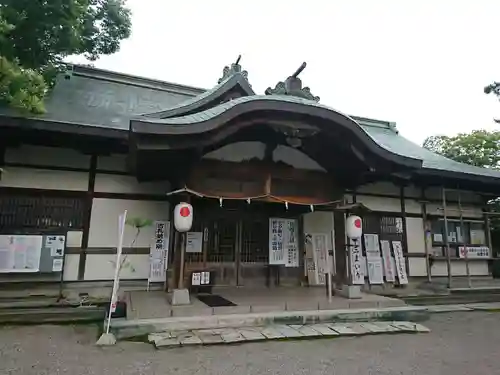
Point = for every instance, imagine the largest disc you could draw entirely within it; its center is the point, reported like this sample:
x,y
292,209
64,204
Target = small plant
x,y
137,223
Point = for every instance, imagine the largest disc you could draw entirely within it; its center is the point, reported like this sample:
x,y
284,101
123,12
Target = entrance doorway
x,y
236,244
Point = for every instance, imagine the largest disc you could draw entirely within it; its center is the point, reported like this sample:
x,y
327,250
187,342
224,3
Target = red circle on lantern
x,y
357,223
185,211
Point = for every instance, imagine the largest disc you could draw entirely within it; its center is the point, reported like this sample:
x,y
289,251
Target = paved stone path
x,y
461,343
174,339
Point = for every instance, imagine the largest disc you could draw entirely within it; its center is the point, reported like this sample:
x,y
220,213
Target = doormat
x,y
214,300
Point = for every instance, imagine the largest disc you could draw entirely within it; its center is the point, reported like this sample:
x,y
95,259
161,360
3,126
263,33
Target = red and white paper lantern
x,y
183,217
354,227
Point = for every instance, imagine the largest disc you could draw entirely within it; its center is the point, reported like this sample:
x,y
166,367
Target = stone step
x,y
172,339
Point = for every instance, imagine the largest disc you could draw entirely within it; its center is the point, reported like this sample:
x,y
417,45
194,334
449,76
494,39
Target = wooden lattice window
x,y
21,213
388,228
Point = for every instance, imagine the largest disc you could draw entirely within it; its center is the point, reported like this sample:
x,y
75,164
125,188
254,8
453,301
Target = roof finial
x,y
293,86
235,68
299,70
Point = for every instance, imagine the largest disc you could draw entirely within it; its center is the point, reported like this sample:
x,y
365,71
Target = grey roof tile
x,y
383,133
102,102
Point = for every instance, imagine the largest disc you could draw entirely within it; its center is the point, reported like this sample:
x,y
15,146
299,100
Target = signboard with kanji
x,y
356,260
397,247
283,242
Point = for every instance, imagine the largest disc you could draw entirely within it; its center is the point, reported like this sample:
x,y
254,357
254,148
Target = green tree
x,y
37,35
479,147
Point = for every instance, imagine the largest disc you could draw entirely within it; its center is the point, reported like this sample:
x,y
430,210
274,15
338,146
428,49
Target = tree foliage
x,y
480,147
37,35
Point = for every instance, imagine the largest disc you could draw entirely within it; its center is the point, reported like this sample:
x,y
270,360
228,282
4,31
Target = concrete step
x,y
123,328
452,299
172,339
493,290
53,315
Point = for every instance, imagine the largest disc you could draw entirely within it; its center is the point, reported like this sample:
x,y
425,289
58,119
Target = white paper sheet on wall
x,y
57,265
20,253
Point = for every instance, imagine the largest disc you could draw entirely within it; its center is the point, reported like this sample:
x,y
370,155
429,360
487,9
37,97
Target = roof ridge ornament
x,y
293,86
235,68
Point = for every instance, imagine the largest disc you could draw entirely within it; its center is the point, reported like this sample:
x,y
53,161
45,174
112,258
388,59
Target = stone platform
x,y
173,339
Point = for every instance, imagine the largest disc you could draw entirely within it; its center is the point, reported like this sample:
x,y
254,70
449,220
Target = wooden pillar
x,y
426,238
446,241
405,232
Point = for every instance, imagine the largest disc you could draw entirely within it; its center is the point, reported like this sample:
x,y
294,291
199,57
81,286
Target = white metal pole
x,y
121,229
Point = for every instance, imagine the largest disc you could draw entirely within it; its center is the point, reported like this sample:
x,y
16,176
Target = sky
x,y
420,63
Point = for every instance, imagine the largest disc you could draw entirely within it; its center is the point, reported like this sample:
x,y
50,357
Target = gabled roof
x,y
97,101
234,83
383,133
99,98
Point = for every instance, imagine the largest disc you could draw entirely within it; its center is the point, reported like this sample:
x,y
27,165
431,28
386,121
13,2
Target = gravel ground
x,y
460,343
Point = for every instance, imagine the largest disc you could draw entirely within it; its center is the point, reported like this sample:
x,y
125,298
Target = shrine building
x,y
249,164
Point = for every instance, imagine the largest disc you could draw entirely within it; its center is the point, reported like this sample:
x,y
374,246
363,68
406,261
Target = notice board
x,y
32,253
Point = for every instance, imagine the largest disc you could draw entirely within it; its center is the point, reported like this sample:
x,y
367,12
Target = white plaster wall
x,y
104,221
241,151
387,188
439,268
74,238
47,156
465,196
295,158
469,211
415,235
71,263
238,152
458,268
111,183
102,267
116,163
412,206
380,204
44,179
417,267
103,233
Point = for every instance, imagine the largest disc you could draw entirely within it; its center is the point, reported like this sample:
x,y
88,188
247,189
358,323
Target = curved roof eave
x,y
232,82
433,164
218,116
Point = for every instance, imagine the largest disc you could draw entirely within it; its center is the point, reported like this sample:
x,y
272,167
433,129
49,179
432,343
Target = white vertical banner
x,y
320,255
158,252
116,281
292,243
283,242
387,261
276,241
355,261
373,259
400,262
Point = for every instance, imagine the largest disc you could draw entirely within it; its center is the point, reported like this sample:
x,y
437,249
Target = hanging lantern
x,y
354,227
183,217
